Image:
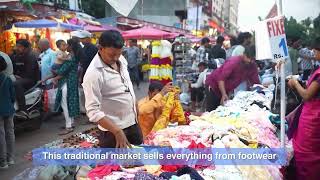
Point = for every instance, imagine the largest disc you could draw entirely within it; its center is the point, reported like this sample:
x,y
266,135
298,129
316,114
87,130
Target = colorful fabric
x,y
146,176
101,171
172,112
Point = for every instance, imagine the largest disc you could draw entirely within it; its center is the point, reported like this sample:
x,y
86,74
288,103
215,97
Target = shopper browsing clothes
x,y
109,94
306,140
225,79
67,81
6,118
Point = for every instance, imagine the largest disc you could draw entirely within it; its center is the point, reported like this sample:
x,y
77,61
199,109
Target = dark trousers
x,y
197,94
133,134
212,100
306,74
21,86
134,74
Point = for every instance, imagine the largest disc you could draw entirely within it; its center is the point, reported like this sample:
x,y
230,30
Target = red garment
x,y
194,145
306,140
86,144
101,171
171,168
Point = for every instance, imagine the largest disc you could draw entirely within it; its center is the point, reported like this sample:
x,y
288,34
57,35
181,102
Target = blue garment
x,y
48,57
7,96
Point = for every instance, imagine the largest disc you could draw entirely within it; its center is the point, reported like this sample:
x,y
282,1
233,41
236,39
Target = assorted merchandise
x,y
244,122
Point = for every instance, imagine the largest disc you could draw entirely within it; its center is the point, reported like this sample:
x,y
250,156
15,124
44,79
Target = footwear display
x,y
11,162
4,166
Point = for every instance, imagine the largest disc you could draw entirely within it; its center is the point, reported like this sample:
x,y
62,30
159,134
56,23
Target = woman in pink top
x,y
306,140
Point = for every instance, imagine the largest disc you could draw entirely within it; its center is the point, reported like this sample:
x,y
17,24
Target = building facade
x,y
231,9
160,12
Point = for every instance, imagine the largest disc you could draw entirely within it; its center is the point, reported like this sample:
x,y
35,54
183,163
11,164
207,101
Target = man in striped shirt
x,y
306,55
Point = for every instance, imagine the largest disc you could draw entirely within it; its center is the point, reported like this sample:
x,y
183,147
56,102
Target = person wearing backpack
x,y
7,137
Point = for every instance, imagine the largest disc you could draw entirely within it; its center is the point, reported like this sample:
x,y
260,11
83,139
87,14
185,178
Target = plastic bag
x,y
49,99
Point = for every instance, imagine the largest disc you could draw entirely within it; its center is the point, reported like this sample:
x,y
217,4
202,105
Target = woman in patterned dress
x,y
67,94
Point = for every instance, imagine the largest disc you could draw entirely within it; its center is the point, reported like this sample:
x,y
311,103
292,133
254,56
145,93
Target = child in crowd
x,y
7,137
62,56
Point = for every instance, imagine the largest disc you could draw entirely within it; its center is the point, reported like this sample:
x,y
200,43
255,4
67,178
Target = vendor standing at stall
x,y
225,79
109,94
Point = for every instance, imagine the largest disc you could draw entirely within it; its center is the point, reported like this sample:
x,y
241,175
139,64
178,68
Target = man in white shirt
x,y
110,99
197,89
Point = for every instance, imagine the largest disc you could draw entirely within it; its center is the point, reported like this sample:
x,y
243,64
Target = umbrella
x,y
145,33
41,23
70,26
44,23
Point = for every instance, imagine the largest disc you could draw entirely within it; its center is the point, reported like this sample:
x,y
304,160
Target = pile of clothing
x,y
243,123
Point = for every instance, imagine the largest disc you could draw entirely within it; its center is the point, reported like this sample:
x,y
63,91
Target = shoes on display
x,y
11,162
4,166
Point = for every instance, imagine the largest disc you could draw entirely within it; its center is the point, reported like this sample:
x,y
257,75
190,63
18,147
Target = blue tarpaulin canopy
x,y
44,23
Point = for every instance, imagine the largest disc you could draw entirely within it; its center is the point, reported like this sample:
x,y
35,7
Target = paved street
x,y
26,141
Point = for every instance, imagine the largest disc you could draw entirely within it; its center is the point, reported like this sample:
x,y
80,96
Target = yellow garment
x,y
155,114
149,112
172,112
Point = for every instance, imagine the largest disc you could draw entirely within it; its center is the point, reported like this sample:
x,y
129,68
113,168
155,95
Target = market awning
x,y
102,28
44,23
146,33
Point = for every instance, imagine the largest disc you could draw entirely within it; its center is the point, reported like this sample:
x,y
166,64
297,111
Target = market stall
x,y
244,122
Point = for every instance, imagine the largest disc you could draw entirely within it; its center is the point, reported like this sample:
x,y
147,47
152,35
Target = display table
x,y
243,122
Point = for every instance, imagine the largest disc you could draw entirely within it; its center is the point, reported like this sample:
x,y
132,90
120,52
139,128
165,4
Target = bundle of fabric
x,y
161,59
172,111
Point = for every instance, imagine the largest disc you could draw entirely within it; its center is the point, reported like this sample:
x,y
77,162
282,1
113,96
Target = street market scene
x,y
159,89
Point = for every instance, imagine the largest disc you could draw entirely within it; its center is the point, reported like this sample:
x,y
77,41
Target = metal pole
x,y
283,88
197,20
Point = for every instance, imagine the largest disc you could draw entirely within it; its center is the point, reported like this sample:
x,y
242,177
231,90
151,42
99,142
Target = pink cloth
x,y
306,141
146,33
101,171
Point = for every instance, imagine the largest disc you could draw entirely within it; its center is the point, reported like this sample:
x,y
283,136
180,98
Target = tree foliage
x,y
95,8
306,30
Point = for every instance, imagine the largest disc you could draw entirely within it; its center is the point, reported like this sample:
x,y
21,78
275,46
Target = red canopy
x,y
93,28
146,33
102,28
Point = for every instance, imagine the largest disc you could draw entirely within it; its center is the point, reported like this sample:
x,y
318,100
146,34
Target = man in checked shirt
x,y
307,56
